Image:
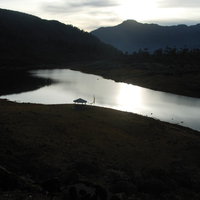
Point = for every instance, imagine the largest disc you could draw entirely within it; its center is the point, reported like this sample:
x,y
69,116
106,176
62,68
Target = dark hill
x,y
131,36
27,39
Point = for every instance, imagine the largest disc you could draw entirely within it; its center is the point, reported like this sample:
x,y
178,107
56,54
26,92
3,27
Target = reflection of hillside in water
x,y
13,82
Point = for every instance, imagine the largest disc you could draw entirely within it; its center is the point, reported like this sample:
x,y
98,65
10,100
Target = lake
x,y
64,86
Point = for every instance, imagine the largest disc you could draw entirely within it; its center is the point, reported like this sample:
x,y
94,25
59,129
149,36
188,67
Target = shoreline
x,y
178,123
83,67
154,76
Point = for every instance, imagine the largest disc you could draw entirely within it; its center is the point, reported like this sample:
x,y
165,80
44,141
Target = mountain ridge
x,y
30,40
130,36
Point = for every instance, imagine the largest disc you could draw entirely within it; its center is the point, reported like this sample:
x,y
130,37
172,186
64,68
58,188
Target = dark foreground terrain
x,y
131,155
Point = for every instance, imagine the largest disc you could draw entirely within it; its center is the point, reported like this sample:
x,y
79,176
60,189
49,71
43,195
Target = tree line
x,y
166,55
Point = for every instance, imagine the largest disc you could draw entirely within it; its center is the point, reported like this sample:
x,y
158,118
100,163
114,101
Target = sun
x,y
137,9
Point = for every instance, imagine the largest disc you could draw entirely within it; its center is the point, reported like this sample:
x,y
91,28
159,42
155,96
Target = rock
x,y
81,190
8,181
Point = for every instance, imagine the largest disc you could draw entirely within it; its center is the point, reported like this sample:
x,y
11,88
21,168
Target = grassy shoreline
x,y
44,141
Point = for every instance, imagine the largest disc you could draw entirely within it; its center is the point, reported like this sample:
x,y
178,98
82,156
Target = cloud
x,y
87,14
95,3
178,3
94,23
78,5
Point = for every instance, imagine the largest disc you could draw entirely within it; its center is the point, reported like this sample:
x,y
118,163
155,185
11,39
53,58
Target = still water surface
x,y
69,85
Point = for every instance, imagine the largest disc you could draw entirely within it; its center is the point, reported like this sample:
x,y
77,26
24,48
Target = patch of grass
x,y
43,141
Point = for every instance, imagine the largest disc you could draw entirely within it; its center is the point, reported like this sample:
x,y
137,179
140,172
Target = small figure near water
x,y
93,100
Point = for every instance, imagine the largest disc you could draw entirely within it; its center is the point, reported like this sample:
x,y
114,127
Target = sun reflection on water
x,y
129,98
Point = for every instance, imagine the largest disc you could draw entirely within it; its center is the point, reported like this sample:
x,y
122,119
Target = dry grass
x,y
44,141
60,136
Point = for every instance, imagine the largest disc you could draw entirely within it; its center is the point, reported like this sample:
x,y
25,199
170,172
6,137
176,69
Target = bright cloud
x,y
138,10
76,5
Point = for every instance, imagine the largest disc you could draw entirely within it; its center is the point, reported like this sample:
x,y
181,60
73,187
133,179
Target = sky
x,y
89,15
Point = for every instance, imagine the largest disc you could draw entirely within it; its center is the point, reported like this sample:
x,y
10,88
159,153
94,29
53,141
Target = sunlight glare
x,y
137,10
129,97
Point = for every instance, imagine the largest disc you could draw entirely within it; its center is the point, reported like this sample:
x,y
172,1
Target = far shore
x,y
174,79
155,76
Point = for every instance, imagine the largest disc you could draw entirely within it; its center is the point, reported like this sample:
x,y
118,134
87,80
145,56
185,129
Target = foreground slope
x,y
98,144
